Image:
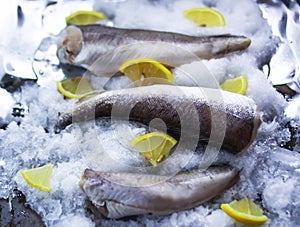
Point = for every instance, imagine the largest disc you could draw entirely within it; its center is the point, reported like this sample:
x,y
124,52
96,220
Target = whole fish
x,y
118,195
103,49
186,111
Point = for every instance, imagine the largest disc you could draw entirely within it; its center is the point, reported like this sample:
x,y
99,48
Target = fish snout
x,y
230,44
238,43
71,44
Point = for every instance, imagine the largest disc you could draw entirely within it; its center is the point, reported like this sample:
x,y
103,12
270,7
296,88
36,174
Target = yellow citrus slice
x,y
76,87
39,177
84,17
139,69
237,85
154,146
205,17
245,211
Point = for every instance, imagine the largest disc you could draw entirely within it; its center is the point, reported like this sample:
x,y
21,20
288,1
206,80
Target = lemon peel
x,y
245,211
76,87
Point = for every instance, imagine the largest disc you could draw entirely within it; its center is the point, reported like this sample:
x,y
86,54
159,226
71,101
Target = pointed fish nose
x,y
70,43
239,43
225,45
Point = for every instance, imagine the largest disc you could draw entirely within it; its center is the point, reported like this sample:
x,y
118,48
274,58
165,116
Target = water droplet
x,y
41,72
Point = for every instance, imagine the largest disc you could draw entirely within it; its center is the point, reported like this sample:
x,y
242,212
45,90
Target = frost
x,y
283,197
6,103
74,220
270,175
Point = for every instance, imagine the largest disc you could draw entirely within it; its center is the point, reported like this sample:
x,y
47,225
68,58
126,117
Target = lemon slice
x,y
139,69
205,17
245,211
154,146
84,17
39,177
76,87
237,85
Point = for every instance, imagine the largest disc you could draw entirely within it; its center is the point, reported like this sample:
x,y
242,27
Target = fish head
x,y
96,184
69,44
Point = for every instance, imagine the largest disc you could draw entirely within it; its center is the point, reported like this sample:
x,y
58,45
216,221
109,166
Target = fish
x,y
120,194
204,114
102,49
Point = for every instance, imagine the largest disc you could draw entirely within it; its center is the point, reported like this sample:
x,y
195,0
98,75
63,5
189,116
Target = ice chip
x,y
275,197
6,103
74,220
292,110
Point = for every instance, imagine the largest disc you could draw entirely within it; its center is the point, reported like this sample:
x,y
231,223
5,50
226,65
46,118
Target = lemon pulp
x,y
205,17
154,146
245,211
237,85
145,71
84,17
76,87
39,178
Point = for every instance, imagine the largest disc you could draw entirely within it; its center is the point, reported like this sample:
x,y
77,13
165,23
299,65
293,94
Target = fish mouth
x,y
71,44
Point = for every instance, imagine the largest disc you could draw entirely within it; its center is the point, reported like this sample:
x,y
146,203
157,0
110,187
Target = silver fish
x,y
118,195
188,111
103,49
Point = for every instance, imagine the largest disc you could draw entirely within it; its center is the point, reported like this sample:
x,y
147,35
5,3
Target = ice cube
x,y
6,103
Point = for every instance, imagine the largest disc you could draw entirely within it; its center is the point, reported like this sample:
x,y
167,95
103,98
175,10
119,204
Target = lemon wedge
x,y
84,17
237,85
205,17
39,177
154,146
245,211
76,87
139,69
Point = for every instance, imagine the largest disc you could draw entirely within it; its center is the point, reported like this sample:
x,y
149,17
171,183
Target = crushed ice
x,y
270,174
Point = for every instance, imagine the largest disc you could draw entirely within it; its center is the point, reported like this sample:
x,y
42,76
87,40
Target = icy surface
x,y
6,103
283,17
270,174
292,110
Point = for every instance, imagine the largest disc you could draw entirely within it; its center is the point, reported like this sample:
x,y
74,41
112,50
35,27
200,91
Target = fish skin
x,y
103,49
118,195
176,106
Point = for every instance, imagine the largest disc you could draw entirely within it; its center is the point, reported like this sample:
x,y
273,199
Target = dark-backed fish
x,y
103,49
118,195
186,111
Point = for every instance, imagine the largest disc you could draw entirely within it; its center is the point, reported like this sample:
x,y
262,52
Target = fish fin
x,y
119,210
